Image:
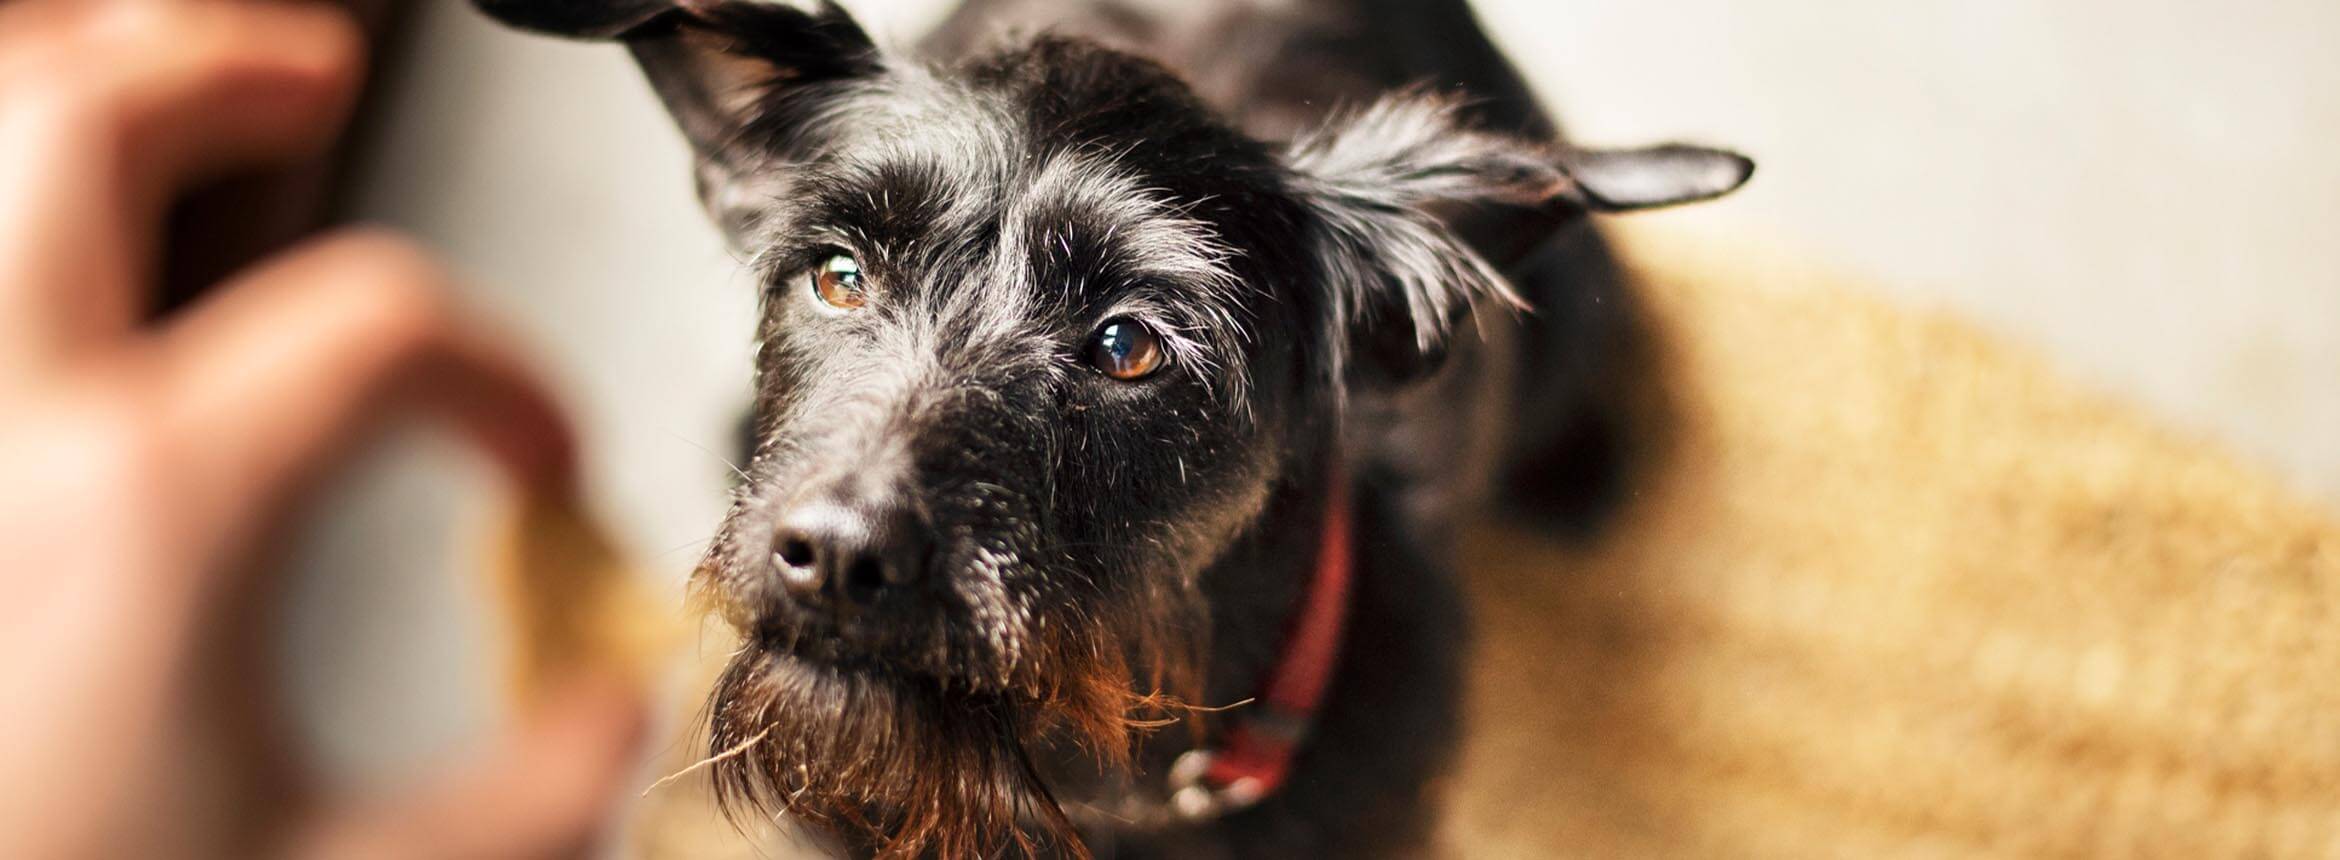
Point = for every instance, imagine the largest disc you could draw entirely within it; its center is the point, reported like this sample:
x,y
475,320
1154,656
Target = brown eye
x,y
837,283
1125,350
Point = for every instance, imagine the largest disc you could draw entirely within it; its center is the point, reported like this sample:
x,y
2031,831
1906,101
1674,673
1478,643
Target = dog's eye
x,y
837,283
1125,350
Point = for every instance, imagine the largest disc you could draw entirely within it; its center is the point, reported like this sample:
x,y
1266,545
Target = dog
x,y
1124,370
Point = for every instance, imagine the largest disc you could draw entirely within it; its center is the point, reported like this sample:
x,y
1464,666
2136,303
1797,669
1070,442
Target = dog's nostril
x,y
864,580
839,557
793,558
795,552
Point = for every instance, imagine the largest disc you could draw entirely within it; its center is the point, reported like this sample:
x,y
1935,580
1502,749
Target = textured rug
x,y
1889,588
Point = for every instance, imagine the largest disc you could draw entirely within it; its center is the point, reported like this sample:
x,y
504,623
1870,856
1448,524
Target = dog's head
x,y
1040,339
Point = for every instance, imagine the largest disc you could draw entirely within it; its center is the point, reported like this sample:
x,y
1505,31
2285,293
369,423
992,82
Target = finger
x,y
107,107
273,377
546,791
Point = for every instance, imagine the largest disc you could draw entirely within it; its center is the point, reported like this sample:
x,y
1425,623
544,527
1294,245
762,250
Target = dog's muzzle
x,y
858,556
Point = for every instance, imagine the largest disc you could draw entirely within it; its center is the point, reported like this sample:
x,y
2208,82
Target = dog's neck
x,y
1253,754
1381,726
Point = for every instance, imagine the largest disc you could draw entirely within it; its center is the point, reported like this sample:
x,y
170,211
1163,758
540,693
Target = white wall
x,y
2147,189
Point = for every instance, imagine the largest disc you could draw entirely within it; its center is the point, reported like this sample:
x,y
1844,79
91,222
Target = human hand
x,y
143,468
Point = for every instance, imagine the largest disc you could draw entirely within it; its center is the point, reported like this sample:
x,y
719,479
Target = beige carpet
x,y
1890,589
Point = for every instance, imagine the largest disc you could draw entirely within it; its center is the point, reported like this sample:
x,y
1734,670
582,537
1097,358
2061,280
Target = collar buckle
x,y
1194,797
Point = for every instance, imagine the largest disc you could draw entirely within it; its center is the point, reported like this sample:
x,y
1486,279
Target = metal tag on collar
x,y
1192,796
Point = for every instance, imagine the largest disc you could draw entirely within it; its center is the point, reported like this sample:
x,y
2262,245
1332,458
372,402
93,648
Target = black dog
x,y
1082,403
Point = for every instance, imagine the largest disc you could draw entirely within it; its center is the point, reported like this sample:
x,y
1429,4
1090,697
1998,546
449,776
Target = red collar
x,y
1255,754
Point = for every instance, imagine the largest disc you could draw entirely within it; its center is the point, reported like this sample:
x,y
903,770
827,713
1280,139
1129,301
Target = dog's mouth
x,y
952,656
822,669
915,745
924,726
905,761
823,648
818,643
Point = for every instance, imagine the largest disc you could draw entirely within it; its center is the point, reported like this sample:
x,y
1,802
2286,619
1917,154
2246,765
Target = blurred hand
x,y
143,468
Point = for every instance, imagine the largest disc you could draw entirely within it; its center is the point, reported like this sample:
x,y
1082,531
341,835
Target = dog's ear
x,y
747,81
1379,180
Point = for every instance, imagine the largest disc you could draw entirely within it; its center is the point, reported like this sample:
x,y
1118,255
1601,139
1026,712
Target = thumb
x,y
545,790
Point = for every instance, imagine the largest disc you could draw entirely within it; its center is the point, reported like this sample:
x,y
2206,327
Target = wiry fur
x,y
985,273
1371,178
1104,554
958,764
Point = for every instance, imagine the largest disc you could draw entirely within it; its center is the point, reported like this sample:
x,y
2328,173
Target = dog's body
x,y
1434,453
977,550
1278,69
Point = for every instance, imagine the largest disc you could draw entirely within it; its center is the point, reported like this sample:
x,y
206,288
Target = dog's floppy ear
x,y
745,80
1377,181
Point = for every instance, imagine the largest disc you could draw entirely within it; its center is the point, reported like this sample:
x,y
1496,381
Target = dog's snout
x,y
849,554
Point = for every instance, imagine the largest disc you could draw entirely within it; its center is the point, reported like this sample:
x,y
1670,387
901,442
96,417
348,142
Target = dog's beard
x,y
915,766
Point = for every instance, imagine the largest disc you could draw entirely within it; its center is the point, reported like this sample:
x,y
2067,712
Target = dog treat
x,y
572,601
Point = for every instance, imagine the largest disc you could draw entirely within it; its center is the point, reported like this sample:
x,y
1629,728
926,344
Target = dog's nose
x,y
848,554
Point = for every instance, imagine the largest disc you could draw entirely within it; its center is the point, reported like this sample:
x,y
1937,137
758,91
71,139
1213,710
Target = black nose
x,y
848,554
